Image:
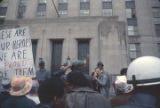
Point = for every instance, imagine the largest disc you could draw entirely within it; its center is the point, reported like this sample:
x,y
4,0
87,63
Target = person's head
x,y
41,64
77,79
76,68
100,65
6,85
98,71
121,86
20,86
144,74
123,71
50,90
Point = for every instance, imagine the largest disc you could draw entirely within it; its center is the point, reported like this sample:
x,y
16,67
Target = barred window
x,y
107,5
107,0
43,1
158,44
134,50
130,13
130,4
132,21
156,12
132,31
107,8
63,13
41,9
62,8
84,5
63,1
84,8
84,12
84,0
107,12
3,9
21,11
157,29
4,3
21,8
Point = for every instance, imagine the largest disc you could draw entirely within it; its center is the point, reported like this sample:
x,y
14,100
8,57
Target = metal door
x,y
56,55
34,49
83,53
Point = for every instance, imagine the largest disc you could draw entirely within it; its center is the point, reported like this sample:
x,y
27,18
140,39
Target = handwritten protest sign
x,y
16,53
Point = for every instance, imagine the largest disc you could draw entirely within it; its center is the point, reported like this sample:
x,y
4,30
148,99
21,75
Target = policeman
x,y
144,74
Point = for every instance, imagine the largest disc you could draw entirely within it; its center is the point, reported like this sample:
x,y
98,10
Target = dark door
x,y
56,55
34,49
83,53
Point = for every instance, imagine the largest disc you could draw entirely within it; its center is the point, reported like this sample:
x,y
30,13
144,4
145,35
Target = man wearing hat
x,y
4,95
144,74
42,74
123,91
103,80
20,86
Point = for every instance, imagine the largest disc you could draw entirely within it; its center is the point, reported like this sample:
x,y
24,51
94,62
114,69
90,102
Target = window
x,y
83,53
41,9
157,29
130,13
134,51
132,21
107,0
156,1
63,1
107,12
84,0
3,9
132,31
129,0
21,8
34,49
56,55
43,1
4,3
107,7
62,8
156,12
130,4
84,7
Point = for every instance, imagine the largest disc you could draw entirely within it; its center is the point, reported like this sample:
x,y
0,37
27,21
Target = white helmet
x,y
144,71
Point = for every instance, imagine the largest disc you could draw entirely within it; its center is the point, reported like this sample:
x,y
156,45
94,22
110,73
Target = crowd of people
x,y
137,86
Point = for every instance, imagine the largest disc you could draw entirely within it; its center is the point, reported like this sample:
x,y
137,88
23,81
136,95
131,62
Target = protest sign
x,y
16,56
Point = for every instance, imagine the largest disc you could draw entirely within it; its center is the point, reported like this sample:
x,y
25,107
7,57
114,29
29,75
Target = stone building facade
x,y
112,31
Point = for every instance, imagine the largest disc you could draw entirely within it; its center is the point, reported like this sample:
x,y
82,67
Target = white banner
x,y
16,56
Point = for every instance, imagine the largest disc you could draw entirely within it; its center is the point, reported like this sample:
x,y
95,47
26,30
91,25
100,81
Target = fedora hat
x,y
20,85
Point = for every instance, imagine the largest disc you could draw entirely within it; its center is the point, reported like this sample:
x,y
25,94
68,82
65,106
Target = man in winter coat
x,y
81,96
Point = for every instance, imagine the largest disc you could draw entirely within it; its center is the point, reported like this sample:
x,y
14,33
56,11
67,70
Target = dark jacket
x,y
18,102
3,97
141,100
42,105
121,99
85,98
